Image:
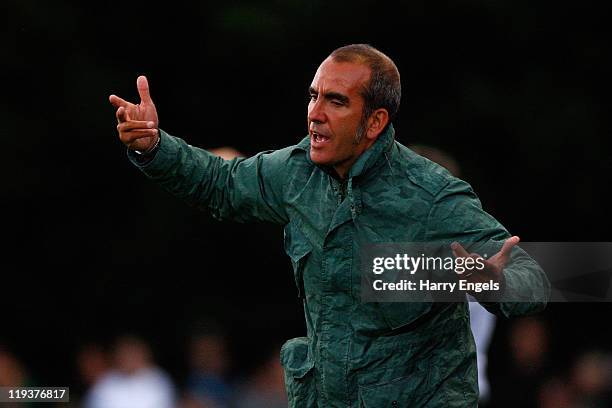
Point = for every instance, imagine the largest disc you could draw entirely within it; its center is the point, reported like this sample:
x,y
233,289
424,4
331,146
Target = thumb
x,y
143,90
508,245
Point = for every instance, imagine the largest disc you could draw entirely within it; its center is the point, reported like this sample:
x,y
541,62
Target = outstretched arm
x,y
239,189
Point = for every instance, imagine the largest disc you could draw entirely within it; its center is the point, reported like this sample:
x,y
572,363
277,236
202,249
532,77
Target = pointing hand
x,y
137,124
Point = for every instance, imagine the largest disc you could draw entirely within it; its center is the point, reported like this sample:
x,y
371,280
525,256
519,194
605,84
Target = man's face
x,y
335,113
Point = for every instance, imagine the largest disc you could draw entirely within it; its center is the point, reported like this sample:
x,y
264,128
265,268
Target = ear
x,y
376,123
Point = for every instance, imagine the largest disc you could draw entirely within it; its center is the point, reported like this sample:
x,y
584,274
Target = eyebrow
x,y
330,95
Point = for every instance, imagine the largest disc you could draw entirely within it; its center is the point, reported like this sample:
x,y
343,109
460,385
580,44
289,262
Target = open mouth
x,y
319,138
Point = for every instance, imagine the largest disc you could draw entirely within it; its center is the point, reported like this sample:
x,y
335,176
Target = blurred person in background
x,y
226,152
483,324
591,380
265,388
13,374
209,361
588,384
133,382
555,393
92,362
528,368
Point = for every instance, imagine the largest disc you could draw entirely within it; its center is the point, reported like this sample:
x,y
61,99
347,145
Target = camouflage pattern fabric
x,y
356,354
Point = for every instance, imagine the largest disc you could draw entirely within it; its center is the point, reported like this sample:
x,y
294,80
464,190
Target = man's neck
x,y
343,169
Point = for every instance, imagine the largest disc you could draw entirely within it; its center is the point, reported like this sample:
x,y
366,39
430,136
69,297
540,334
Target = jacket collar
x,y
367,160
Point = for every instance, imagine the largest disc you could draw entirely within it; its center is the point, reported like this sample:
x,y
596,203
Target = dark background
x,y
516,91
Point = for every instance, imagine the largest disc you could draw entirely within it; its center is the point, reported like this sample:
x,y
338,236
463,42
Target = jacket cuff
x,y
160,159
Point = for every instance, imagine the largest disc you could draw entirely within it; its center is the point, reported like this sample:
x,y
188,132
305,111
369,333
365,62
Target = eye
x,y
336,102
313,97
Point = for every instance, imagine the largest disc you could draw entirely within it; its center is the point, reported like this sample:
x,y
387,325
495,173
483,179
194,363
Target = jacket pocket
x,y
297,248
298,368
403,314
405,391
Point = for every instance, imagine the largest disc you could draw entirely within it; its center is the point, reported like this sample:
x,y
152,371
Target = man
x,y
349,182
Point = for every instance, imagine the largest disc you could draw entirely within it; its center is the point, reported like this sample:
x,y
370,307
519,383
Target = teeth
x,y
318,137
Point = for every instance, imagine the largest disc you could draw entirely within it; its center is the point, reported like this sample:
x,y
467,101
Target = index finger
x,y
459,251
117,101
143,89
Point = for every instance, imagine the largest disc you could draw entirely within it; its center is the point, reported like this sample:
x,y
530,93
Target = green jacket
x,y
357,354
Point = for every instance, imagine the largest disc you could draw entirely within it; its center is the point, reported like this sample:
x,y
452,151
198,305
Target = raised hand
x,y
137,124
493,267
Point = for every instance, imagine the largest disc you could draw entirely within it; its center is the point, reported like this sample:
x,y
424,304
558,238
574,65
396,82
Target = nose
x,y
316,113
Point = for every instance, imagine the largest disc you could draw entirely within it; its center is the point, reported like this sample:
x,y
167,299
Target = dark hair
x,y
384,89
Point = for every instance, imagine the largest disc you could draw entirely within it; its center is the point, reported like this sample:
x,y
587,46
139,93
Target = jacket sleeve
x,y
239,189
457,215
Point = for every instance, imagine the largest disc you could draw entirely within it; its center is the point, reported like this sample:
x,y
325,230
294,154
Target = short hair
x,y
384,89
